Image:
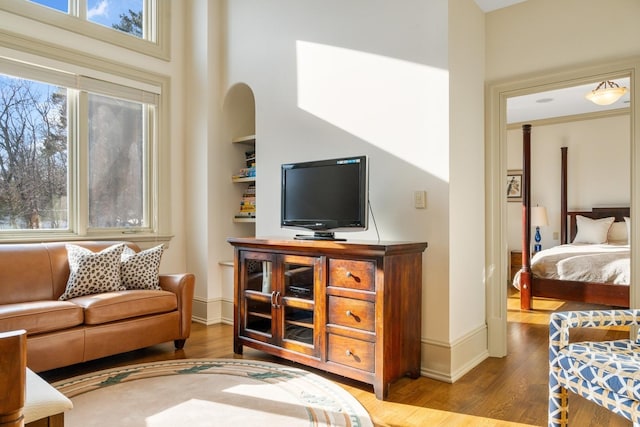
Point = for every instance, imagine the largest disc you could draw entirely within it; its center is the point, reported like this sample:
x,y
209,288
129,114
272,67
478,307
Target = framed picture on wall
x,y
514,185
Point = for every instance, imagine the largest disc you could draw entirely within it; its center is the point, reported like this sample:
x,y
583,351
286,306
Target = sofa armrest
x,y
183,285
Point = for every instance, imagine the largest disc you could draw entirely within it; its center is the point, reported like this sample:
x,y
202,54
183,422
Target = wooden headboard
x,y
596,213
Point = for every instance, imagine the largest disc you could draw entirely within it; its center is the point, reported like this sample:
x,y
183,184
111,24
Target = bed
x,y
586,267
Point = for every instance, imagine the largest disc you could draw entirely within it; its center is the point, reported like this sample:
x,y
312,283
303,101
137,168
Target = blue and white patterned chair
x,y
606,373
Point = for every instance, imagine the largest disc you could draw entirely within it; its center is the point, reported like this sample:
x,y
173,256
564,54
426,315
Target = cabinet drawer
x,y
352,312
352,352
352,274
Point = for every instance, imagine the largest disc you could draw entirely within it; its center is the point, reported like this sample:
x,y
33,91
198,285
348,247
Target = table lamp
x,y
538,219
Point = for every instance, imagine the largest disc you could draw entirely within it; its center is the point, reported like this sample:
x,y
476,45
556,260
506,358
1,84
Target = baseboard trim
x,y
212,311
448,362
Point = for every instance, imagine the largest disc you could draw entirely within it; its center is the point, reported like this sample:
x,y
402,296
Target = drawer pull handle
x,y
348,352
350,275
348,313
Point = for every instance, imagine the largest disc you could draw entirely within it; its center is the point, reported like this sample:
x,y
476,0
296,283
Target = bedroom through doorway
x,y
503,217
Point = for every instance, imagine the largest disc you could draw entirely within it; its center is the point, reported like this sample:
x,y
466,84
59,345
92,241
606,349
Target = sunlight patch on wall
x,y
399,106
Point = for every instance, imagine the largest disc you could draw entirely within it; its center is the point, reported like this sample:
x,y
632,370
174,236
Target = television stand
x,y
319,235
352,309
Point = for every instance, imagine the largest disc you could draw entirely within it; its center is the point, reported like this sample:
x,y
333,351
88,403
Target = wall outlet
x,y
420,199
556,235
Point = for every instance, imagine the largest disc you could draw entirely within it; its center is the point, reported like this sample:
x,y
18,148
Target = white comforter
x,y
585,263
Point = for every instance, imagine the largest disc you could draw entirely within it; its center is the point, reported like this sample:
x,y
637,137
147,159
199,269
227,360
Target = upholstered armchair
x,y
606,373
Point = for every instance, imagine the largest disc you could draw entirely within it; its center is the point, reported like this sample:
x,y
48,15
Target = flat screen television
x,y
325,196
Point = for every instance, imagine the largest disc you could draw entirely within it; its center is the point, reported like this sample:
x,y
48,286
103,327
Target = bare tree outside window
x,y
116,163
33,155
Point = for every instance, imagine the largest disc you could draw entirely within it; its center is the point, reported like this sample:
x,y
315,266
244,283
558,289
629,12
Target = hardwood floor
x,y
509,391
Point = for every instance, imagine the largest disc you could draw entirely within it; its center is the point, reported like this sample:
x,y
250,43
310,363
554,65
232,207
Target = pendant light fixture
x,y
606,93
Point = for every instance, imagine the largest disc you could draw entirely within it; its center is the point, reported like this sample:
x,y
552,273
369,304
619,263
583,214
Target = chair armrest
x,y
183,285
560,323
13,366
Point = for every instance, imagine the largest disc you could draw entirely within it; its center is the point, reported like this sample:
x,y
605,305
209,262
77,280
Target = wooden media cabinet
x,y
350,308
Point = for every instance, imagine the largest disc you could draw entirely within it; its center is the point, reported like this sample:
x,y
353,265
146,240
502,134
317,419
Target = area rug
x,y
209,392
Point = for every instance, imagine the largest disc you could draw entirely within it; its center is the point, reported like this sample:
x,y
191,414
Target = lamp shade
x,y
539,216
606,93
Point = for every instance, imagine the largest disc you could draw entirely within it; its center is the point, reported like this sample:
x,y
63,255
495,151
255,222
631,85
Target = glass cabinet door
x,y
299,282
278,300
258,309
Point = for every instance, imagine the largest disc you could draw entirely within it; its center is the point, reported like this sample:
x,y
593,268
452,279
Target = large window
x,y
76,154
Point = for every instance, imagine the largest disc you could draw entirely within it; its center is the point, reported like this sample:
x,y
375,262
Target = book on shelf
x,y
246,173
250,158
248,203
245,214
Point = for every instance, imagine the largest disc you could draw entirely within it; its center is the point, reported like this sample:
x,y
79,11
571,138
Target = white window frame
x,y
75,71
156,31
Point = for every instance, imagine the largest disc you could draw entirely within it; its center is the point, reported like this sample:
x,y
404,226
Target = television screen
x,y
325,196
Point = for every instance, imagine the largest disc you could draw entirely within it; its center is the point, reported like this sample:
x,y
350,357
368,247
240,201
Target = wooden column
x,y
564,236
525,275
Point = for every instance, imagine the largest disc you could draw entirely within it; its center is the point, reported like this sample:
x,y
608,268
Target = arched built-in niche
x,y
238,133
238,122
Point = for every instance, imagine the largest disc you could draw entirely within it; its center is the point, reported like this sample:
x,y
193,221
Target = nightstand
x,y
515,264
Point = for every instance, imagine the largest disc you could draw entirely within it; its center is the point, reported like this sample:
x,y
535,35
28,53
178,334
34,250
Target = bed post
x,y
564,237
525,274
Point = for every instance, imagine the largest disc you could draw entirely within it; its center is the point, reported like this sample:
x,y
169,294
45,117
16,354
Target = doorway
x,y
496,169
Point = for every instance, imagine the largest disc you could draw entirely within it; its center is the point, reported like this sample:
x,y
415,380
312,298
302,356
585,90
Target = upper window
x,y
140,25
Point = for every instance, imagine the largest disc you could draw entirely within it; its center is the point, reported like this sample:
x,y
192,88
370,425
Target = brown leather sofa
x,y
62,333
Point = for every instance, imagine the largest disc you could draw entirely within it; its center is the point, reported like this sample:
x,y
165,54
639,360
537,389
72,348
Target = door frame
x,y
496,95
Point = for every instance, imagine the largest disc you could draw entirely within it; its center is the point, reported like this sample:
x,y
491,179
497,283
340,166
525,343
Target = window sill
x,y
144,241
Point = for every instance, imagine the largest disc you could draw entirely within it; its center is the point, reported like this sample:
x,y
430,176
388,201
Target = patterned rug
x,y
209,392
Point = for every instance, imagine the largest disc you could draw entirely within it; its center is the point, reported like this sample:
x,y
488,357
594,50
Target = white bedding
x,y
603,263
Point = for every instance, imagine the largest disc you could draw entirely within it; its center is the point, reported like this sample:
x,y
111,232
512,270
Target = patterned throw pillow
x,y
93,272
139,270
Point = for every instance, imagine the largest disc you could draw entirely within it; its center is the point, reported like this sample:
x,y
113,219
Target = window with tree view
x,y
60,173
127,16
115,163
33,155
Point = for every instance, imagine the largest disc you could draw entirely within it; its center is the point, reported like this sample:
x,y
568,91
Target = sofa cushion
x,y
139,270
112,306
93,272
40,316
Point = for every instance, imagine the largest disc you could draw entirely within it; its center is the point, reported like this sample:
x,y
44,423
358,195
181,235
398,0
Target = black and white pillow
x,y
93,272
139,270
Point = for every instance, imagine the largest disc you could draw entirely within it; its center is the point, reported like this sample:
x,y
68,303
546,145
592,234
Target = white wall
x,y
537,43
334,78
554,34
467,332
598,164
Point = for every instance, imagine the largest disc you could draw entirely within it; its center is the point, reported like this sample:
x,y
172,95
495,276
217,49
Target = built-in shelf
x,y
246,179
244,220
249,139
250,142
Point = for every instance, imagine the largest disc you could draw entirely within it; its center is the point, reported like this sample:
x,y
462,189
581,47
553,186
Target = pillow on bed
x,y
618,233
592,231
